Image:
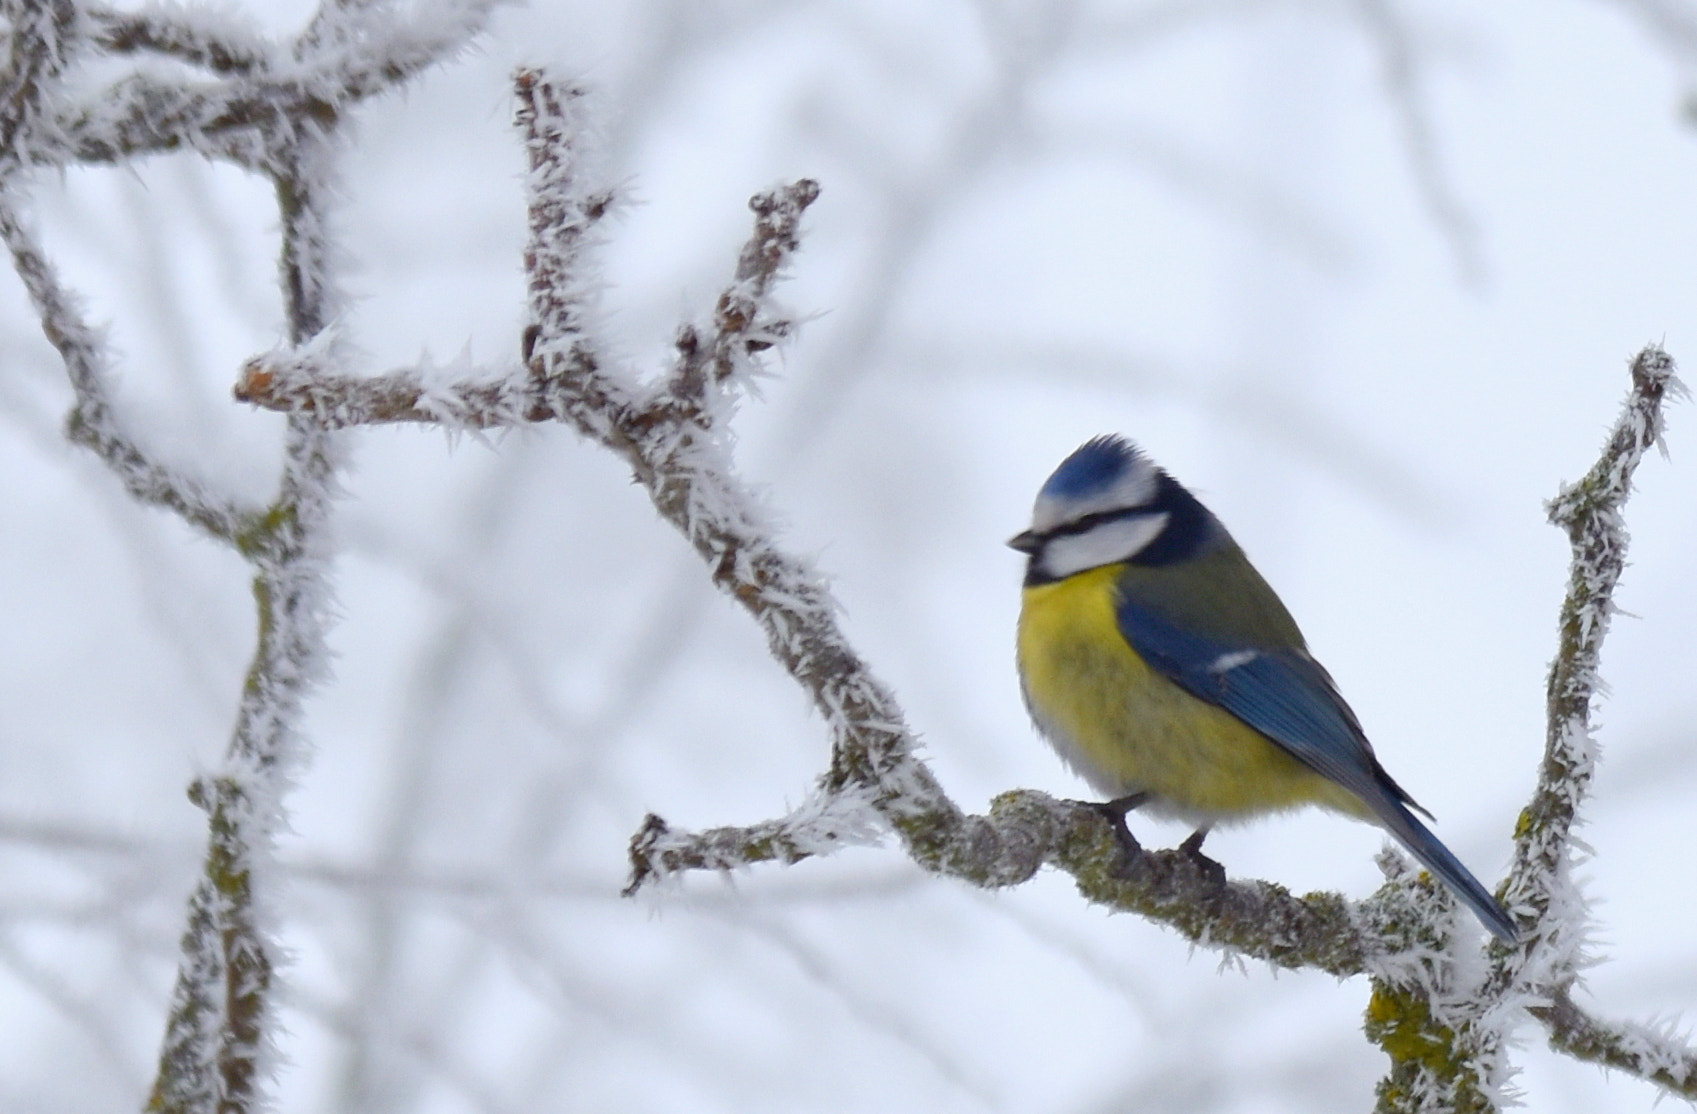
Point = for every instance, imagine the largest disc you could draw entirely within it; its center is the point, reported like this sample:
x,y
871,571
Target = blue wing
x,y
1283,694
1288,697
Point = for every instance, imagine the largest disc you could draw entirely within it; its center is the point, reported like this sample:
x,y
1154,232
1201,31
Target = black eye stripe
x,y
1187,530
1090,521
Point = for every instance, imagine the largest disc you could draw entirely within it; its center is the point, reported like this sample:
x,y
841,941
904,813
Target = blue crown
x,y
1093,467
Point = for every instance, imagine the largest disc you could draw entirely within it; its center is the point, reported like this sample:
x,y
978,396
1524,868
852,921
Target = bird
x,y
1168,674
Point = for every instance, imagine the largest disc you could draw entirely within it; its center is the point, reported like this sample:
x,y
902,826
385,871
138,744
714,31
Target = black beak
x,y
1026,542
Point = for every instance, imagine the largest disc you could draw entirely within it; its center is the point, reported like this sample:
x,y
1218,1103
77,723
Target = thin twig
x,y
1540,889
228,51
1654,1054
1590,512
91,422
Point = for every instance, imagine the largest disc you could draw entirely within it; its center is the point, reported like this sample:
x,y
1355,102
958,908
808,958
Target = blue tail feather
x,y
1437,858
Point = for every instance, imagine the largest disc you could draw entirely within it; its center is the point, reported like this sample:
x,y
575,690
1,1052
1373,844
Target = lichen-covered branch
x,y
1426,1012
1590,513
675,437
1453,1058
1657,1054
1026,831
1540,886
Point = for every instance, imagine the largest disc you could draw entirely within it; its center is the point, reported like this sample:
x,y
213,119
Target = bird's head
x,y
1107,504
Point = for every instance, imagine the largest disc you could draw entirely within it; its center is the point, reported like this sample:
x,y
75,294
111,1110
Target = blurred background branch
x,y
220,1037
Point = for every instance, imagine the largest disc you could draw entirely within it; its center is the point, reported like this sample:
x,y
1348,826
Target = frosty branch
x,y
272,108
1590,512
1445,1030
674,437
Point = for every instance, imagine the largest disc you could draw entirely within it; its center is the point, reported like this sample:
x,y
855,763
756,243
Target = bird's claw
x,y
1114,812
1210,869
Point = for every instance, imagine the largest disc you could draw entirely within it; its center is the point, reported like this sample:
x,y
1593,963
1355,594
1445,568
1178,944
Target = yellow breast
x,y
1127,729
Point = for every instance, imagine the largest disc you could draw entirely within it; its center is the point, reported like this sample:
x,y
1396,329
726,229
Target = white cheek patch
x,y
1118,539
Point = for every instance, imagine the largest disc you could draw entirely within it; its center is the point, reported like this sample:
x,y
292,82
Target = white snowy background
x,y
1365,275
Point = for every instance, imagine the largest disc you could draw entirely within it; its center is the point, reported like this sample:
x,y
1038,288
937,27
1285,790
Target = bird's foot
x,y
1114,812
1211,870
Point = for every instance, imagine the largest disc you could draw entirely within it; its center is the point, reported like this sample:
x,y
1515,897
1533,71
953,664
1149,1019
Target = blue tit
x,y
1168,674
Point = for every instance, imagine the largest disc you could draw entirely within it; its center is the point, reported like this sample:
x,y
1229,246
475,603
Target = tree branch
x,y
216,1053
260,97
40,37
1443,1023
229,50
91,422
672,437
1590,513
1552,951
1654,1054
